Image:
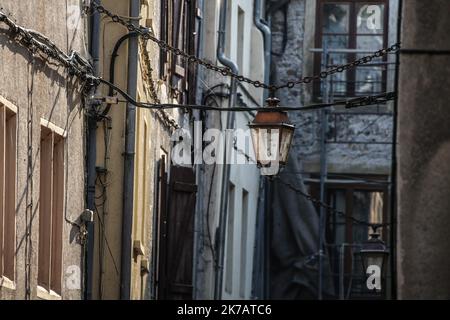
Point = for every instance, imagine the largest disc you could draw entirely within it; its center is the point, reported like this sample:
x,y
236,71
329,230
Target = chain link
x,y
227,72
381,98
148,79
79,67
329,208
341,68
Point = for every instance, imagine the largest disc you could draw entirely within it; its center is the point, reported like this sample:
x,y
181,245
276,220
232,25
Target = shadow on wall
x,y
294,262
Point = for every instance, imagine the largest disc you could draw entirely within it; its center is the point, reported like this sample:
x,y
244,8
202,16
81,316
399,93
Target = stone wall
x,y
293,35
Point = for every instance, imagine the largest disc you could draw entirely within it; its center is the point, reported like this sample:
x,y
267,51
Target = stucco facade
x,y
153,134
423,154
44,95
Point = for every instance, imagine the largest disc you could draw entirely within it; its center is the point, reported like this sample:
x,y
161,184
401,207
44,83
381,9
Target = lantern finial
x,y
273,102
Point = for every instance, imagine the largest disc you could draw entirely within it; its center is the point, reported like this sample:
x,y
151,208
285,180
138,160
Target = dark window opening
x,y
346,31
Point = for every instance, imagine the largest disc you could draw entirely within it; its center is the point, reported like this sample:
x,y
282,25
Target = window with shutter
x,y
176,247
178,27
8,152
51,206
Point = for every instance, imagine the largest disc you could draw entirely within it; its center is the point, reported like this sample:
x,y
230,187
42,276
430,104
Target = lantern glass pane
x,y
267,144
285,143
254,132
372,259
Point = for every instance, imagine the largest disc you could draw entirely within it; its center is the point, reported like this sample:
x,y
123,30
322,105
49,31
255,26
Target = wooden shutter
x,y
193,30
164,35
9,218
7,192
2,181
161,231
45,208
177,65
180,234
51,207
57,214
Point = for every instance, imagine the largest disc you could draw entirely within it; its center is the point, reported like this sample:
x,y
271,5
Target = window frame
x,y
8,194
51,269
244,239
229,276
178,26
378,183
352,35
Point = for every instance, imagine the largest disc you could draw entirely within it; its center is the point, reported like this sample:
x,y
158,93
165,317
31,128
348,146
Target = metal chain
x,y
79,67
329,208
148,78
341,68
381,98
147,35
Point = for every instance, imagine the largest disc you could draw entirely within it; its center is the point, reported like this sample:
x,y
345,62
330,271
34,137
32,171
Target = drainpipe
x,y
198,221
112,65
226,168
323,174
263,211
128,174
267,34
91,157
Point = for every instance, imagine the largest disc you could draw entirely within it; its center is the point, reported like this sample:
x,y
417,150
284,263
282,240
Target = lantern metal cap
x,y
271,117
272,125
374,244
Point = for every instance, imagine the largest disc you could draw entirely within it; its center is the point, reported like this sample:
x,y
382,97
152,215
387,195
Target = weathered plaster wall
x,y
109,231
47,93
156,144
424,154
152,142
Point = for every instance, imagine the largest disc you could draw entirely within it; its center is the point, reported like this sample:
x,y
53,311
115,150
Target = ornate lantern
x,y
374,255
272,135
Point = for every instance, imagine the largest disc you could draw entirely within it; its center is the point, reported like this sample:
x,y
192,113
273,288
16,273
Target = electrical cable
x,y
147,34
211,95
329,208
112,65
107,243
350,103
78,66
29,187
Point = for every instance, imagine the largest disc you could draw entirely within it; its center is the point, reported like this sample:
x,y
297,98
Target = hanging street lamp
x,y
272,134
373,256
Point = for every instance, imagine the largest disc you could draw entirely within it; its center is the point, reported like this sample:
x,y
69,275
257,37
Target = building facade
x,y
344,156
229,189
138,262
423,153
41,157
